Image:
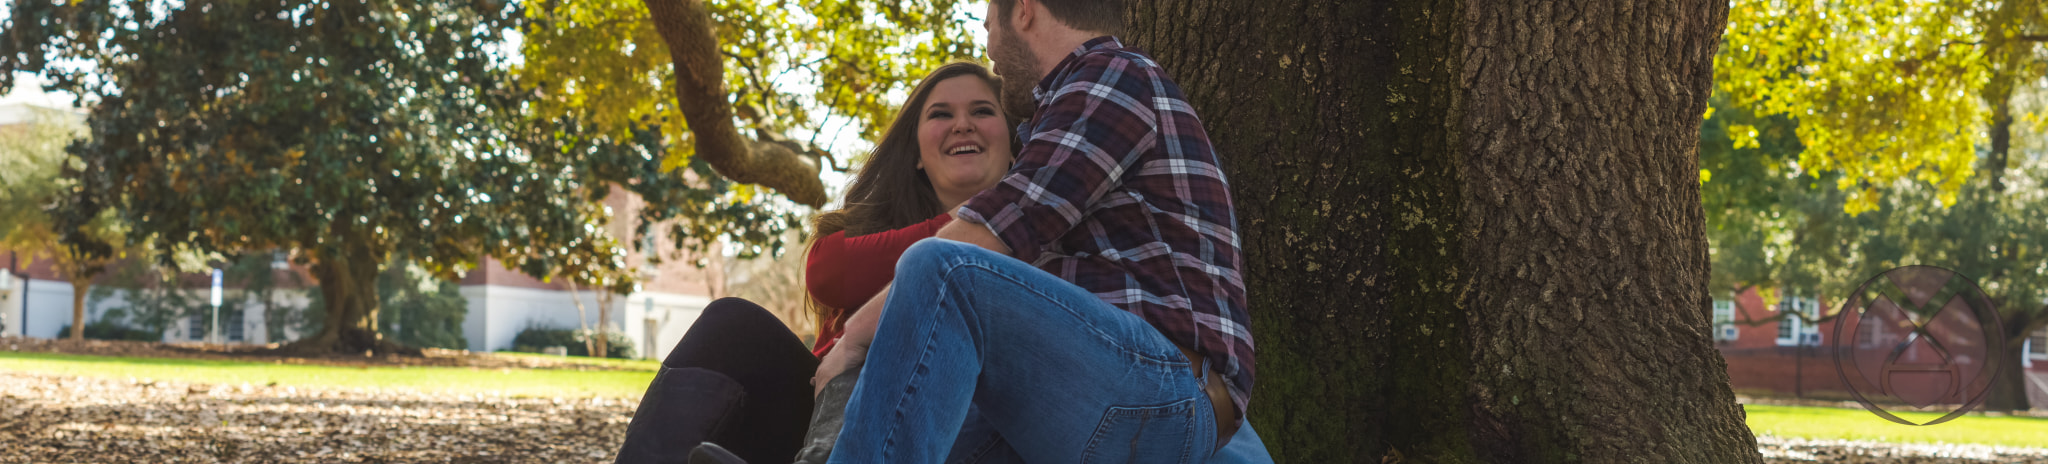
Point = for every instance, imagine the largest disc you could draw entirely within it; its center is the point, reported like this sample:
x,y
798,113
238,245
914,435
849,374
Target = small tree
x,y
31,160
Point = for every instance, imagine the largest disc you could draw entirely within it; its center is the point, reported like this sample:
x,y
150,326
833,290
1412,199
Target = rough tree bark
x,y
685,25
1472,229
2008,391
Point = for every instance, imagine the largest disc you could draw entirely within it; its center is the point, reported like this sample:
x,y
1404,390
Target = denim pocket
x,y
1148,434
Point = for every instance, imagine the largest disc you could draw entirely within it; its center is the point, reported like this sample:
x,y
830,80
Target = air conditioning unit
x,y
1810,339
1726,332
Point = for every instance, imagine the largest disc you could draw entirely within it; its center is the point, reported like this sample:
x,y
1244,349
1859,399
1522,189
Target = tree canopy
x,y
1852,138
356,130
1883,90
348,130
783,71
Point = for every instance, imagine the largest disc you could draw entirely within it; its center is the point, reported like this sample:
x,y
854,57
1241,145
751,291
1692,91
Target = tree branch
x,y
700,93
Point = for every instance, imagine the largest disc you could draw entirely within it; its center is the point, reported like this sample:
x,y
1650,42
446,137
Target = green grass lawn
x,y
512,382
1858,424
635,364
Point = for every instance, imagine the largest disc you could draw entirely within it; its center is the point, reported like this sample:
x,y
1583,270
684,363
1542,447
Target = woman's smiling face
x,y
963,139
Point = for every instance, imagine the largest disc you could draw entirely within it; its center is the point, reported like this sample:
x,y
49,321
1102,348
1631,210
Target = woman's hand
x,y
852,349
843,358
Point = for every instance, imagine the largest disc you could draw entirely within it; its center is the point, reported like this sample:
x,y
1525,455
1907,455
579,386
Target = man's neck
x,y
1057,47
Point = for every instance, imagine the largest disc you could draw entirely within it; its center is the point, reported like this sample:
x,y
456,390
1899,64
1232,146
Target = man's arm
x,y
973,234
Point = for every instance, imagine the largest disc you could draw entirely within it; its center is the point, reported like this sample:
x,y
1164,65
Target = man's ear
x,y
1022,15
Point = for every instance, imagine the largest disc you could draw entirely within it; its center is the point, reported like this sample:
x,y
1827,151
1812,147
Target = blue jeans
x,y
1060,375
980,444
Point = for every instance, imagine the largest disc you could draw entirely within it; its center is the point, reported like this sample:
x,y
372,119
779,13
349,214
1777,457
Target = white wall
x,y
49,309
657,330
254,327
653,321
497,313
10,310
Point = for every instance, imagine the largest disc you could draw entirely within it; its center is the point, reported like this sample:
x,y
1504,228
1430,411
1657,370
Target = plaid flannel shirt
x,y
1117,190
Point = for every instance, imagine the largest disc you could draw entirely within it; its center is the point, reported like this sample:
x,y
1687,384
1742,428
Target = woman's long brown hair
x,y
890,192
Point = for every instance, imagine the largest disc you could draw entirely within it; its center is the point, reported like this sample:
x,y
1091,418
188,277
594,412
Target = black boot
x,y
828,417
711,453
682,408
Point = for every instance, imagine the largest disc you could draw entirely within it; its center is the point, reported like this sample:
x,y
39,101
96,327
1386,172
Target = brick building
x,y
1769,351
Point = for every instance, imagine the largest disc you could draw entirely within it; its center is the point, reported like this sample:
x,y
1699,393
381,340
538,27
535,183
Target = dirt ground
x,y
49,418
1794,450
259,353
46,418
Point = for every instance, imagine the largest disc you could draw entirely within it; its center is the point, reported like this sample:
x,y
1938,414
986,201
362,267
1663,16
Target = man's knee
x,y
929,256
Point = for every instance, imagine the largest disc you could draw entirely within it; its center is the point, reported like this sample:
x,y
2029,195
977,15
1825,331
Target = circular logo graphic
x,y
1918,339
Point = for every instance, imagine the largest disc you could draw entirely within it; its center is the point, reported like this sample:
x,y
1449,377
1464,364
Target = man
x,y
1088,307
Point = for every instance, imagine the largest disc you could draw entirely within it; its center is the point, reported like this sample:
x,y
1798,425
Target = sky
x,y
29,90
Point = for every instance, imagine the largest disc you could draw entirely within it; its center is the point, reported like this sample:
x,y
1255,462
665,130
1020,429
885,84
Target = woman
x,y
739,378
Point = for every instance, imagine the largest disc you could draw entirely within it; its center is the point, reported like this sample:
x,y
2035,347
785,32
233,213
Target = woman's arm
x,y
852,348
844,272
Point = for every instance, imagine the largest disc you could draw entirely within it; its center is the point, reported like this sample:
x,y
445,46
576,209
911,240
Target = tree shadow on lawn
x,y
47,418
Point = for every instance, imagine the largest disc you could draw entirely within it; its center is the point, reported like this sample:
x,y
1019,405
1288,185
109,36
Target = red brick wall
x,y
1784,371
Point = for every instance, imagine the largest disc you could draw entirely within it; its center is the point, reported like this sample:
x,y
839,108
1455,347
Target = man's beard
x,y
1013,62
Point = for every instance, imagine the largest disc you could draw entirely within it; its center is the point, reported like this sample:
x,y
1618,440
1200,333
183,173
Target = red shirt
x,y
843,273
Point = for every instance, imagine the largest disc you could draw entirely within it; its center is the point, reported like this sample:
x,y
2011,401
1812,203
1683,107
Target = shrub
x,y
109,330
534,338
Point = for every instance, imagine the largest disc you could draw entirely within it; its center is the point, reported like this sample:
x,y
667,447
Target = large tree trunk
x,y
348,289
1472,232
2008,391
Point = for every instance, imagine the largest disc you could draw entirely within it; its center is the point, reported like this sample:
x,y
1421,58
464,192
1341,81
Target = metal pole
x,y
11,262
1799,367
24,291
213,332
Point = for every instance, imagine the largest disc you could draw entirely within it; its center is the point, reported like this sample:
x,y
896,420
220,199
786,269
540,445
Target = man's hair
x,y
1101,16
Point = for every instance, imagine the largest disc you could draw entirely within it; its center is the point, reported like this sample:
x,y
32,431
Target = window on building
x,y
195,328
1787,328
2037,344
1870,332
1724,311
1794,327
231,325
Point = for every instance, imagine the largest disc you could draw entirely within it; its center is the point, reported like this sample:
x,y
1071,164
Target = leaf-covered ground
x,y
1799,450
52,416
49,418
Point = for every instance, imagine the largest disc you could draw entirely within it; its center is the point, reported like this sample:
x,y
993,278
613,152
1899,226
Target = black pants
x,y
738,378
